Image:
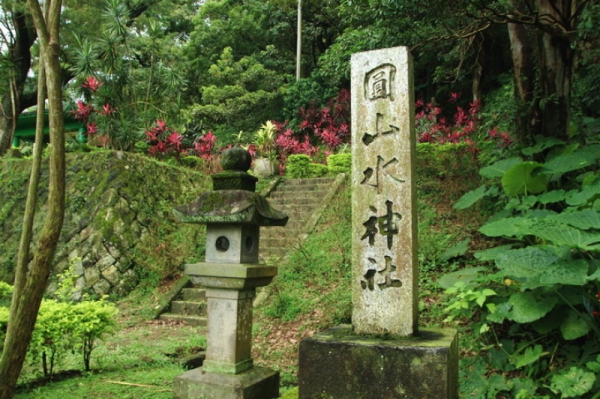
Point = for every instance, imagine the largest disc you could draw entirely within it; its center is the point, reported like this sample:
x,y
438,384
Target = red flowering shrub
x,y
320,131
162,139
97,121
92,84
432,127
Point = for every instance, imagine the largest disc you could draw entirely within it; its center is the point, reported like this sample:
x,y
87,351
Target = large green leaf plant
x,y
535,298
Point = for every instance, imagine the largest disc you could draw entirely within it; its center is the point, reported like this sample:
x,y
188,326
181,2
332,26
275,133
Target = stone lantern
x,y
233,213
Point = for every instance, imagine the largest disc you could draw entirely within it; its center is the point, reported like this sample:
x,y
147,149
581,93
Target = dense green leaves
x,y
499,168
509,227
524,178
583,219
471,198
574,326
530,306
526,263
545,272
572,383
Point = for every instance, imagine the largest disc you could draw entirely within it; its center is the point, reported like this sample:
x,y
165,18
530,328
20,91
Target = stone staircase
x,y
190,308
303,200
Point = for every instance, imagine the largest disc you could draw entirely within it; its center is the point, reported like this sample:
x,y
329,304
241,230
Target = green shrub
x,y
298,166
3,322
339,163
538,299
5,291
53,335
193,162
317,170
93,320
435,161
64,327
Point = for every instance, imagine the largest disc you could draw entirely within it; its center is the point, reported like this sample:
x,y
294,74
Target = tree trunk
x,y
556,62
22,320
544,61
527,119
7,123
19,54
30,205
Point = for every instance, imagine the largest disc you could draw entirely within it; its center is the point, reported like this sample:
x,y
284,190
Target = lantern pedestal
x,y
254,383
233,213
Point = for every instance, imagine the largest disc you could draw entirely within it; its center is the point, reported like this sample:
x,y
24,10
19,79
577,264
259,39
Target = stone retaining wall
x,y
118,225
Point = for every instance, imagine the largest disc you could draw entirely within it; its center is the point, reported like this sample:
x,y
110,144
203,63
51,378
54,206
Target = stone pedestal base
x,y
256,383
338,364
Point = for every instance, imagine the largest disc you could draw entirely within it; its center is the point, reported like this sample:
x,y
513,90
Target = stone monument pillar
x,y
233,213
383,354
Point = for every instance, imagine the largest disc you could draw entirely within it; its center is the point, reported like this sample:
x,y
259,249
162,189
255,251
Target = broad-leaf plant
x,y
535,297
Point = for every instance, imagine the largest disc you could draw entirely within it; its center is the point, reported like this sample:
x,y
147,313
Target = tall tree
x,y
81,25
17,36
541,35
28,294
543,38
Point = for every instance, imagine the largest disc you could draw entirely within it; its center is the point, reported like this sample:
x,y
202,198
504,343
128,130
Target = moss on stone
x,y
230,206
236,158
114,200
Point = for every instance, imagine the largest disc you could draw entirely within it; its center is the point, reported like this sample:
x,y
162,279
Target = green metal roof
x,y
25,128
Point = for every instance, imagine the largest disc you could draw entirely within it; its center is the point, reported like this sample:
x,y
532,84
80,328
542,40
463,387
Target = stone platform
x,y
255,383
338,364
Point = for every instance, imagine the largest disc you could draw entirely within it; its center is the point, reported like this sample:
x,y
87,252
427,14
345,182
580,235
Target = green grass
x,y
142,382
139,361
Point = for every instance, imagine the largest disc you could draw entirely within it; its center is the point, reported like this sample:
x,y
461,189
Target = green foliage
x,y
318,271
303,94
93,320
4,312
138,74
339,163
436,161
62,327
542,291
298,166
5,291
235,88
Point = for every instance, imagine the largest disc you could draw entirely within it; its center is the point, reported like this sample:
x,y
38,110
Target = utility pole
x,y
299,42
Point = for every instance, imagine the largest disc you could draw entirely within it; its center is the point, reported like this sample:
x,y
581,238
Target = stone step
x,y
199,321
298,192
194,294
281,232
280,242
304,182
299,211
288,199
273,251
188,308
300,188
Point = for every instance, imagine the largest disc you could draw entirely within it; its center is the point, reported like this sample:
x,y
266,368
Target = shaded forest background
x,y
228,66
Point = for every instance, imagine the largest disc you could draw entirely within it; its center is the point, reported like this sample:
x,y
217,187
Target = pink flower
x,y
92,84
107,110
91,128
151,135
454,97
82,112
175,139
161,125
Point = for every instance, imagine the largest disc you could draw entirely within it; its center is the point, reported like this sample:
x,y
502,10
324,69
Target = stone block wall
x,y
118,224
